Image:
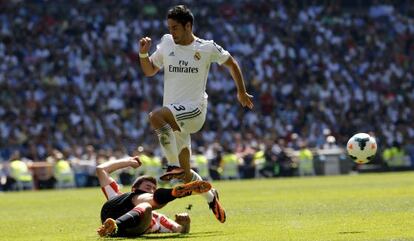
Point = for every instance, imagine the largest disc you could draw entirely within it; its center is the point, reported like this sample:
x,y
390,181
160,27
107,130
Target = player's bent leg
x,y
196,187
184,158
211,196
162,121
162,116
142,227
132,224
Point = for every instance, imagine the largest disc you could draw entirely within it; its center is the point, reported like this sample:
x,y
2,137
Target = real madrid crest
x,y
197,56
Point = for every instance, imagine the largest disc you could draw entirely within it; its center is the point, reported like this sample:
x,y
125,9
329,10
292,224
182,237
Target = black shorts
x,y
117,206
122,204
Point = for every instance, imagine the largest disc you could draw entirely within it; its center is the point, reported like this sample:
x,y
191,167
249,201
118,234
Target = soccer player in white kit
x,y
186,61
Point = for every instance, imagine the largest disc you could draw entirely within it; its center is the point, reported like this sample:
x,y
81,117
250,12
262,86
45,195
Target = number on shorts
x,y
179,107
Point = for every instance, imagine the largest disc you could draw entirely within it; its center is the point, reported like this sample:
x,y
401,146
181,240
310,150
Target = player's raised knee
x,y
145,207
155,118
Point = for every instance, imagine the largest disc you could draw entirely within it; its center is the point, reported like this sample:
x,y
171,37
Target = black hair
x,y
141,179
181,14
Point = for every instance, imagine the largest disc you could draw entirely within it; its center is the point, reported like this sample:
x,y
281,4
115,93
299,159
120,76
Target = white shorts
x,y
190,117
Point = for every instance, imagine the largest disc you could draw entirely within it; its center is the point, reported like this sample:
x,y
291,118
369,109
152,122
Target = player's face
x,y
177,30
147,186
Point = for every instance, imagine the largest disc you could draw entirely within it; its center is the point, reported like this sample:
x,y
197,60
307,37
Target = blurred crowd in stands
x,y
71,89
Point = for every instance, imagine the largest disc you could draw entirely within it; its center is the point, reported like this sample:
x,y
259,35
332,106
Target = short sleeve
x,y
156,57
219,55
111,190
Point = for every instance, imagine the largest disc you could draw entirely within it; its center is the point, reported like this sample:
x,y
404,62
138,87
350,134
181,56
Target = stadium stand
x,y
69,79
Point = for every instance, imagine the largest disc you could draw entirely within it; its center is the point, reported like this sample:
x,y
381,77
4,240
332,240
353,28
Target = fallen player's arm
x,y
183,219
103,170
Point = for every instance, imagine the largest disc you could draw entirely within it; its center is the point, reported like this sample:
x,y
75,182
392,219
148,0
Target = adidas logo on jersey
x,y
171,54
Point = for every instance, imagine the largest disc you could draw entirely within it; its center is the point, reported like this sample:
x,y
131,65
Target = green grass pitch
x,y
354,207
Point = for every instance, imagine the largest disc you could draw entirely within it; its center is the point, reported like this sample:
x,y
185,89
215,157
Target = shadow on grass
x,y
181,236
171,236
351,232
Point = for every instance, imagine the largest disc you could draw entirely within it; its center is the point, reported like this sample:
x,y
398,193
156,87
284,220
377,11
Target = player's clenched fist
x,y
144,45
135,162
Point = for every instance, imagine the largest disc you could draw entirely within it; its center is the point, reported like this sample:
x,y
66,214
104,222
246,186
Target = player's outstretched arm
x,y
164,224
244,98
147,66
103,170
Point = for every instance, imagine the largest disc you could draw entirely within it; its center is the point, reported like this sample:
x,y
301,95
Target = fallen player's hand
x,y
182,216
184,220
135,162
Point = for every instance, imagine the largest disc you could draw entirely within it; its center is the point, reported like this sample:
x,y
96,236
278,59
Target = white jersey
x,y
186,68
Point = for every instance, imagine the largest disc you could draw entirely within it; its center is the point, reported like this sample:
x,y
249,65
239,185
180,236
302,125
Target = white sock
x,y
168,144
209,196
